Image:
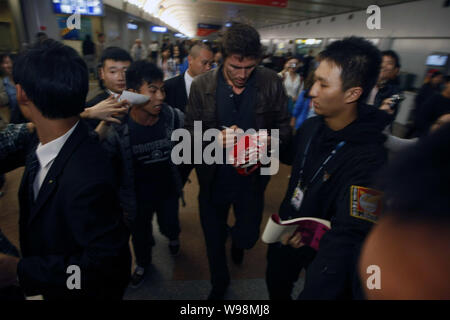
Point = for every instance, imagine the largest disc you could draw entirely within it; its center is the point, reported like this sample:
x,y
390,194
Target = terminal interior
x,y
418,31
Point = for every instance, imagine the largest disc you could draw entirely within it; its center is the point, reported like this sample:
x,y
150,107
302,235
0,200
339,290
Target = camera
x,y
396,99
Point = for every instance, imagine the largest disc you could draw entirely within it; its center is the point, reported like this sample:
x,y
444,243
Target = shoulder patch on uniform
x,y
366,203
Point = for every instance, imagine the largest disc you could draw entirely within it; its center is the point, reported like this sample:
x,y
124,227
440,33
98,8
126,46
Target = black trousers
x,y
248,209
333,275
284,265
142,231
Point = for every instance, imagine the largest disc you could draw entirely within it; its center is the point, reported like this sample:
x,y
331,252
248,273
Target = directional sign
x,y
204,29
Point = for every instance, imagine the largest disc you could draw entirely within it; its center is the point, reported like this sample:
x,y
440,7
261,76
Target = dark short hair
x,y
359,61
141,71
41,34
392,54
196,48
433,75
3,55
416,183
116,54
241,39
54,77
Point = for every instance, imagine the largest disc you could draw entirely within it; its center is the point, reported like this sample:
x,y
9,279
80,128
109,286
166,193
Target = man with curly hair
x,y
237,95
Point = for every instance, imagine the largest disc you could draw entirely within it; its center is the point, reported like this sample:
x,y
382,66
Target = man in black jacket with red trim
x,y
334,157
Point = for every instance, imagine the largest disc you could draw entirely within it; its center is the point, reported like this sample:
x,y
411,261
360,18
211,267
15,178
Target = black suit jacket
x,y
75,220
93,123
98,98
176,95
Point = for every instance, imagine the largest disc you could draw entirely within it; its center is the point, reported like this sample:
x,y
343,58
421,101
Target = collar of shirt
x,y
47,153
188,80
372,95
115,95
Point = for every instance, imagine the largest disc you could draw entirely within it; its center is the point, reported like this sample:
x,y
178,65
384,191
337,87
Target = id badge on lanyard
x,y
297,197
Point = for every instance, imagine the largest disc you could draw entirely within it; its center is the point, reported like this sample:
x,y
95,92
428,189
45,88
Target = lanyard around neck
x,y
305,154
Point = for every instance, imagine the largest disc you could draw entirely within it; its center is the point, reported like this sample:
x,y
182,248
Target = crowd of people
x,y
96,171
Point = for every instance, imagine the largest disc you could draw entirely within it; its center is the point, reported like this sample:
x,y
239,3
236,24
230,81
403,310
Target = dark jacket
x,y
270,109
118,146
76,220
88,47
98,98
390,88
176,95
328,196
93,123
339,194
429,112
425,93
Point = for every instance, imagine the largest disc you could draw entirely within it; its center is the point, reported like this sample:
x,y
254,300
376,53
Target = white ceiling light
x,y
156,9
137,3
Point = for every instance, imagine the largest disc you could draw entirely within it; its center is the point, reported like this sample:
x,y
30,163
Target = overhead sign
x,y
269,3
204,29
132,26
75,33
159,29
83,7
179,35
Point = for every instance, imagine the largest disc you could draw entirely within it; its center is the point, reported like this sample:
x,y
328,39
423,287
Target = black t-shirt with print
x,y
151,155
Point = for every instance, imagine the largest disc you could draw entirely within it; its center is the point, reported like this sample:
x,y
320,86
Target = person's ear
x,y
102,73
352,95
24,102
22,98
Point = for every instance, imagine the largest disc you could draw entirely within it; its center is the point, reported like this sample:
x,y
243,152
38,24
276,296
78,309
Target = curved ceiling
x,y
184,15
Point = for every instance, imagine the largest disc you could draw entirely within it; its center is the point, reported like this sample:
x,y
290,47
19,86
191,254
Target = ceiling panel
x,y
188,13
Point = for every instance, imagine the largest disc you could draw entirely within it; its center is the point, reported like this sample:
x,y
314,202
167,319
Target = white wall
x,y
413,53
413,29
112,27
115,25
37,14
426,18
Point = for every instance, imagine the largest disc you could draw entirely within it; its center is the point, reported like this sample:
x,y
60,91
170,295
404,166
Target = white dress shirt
x,y
115,95
188,80
371,99
46,154
292,86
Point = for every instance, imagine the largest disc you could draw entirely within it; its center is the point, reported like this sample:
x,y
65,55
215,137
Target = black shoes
x,y
237,254
137,278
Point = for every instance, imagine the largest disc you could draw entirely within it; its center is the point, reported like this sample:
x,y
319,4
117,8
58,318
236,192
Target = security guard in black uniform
x,y
334,157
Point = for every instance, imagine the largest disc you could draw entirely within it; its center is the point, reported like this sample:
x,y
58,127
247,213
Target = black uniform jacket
x,y
339,192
